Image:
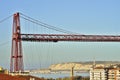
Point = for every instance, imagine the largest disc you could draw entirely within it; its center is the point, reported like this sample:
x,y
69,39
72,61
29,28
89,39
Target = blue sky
x,y
80,16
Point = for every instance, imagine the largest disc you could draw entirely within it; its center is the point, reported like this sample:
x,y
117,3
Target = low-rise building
x,y
1,68
5,71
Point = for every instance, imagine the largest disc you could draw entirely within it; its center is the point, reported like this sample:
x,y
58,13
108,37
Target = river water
x,y
59,75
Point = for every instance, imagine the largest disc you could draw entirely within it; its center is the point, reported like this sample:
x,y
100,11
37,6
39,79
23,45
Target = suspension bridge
x,y
17,62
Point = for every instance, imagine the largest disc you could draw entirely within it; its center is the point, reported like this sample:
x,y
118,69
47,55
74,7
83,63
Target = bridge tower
x,y
16,63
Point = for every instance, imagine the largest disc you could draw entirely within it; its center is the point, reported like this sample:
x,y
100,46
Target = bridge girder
x,y
69,37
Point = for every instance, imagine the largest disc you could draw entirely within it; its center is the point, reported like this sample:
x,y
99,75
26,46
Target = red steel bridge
x,y
17,38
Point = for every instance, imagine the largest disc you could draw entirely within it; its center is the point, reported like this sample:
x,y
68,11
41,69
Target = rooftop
x,y
9,77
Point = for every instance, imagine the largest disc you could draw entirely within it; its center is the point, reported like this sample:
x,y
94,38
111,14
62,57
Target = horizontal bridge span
x,y
69,37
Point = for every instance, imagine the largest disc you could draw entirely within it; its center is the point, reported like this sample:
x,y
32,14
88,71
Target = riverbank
x,y
59,75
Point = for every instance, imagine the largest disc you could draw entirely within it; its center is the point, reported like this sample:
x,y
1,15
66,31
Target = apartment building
x,y
101,73
98,73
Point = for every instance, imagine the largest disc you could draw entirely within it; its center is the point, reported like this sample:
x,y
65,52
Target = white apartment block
x,y
98,74
105,74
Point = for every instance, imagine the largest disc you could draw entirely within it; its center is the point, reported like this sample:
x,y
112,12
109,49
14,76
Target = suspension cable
x,y
4,43
5,19
45,25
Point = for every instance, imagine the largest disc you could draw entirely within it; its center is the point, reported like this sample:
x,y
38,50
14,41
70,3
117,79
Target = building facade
x,y
98,74
105,73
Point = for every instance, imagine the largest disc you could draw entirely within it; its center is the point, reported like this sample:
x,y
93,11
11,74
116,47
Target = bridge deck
x,y
69,37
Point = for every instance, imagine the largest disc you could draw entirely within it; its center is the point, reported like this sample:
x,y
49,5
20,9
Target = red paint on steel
x,y
16,51
69,37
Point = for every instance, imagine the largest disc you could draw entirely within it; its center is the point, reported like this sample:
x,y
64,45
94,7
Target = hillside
x,y
81,65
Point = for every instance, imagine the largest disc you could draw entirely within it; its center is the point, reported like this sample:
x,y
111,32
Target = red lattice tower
x,y
16,64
